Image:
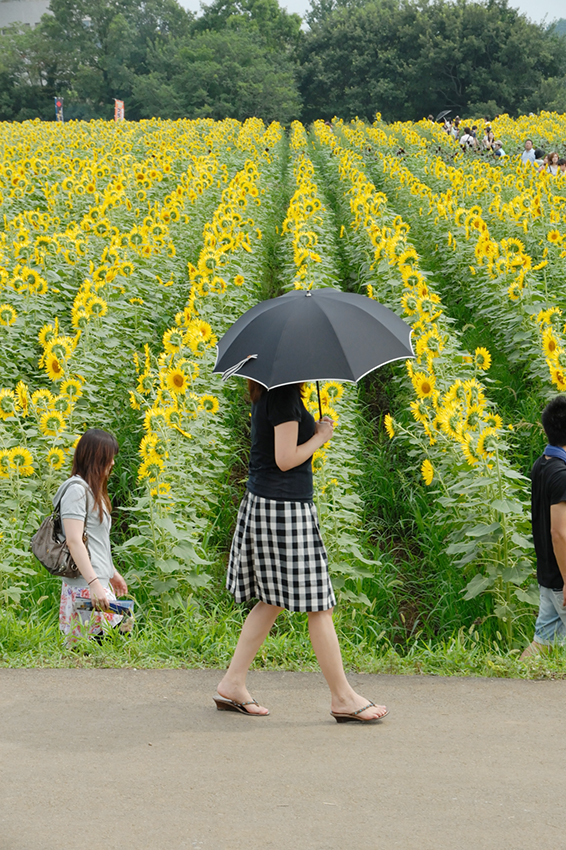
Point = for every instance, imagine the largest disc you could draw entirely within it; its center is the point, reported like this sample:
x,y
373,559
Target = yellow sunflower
x,y
151,468
21,461
154,419
4,464
7,315
22,396
239,280
493,420
96,306
41,399
173,341
482,359
173,417
558,376
63,404
333,389
550,343
72,387
52,423
318,460
427,471
54,367
487,443
146,382
7,403
423,384
177,381
209,403
389,423
56,458
470,451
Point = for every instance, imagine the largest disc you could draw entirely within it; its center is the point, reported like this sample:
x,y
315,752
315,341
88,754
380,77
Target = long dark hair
x,y
94,453
255,390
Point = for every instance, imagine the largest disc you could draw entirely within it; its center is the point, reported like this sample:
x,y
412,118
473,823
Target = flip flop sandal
x,y
346,718
224,704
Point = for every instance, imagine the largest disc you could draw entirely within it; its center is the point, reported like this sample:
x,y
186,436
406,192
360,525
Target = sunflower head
x,y
55,458
7,315
7,403
389,423
423,384
334,390
176,381
427,471
173,341
209,403
72,388
482,359
63,404
52,422
4,464
21,461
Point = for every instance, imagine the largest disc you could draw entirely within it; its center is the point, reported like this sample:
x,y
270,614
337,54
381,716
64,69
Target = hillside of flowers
x,y
128,249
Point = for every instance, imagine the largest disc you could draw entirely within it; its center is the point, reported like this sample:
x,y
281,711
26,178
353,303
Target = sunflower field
x,y
128,249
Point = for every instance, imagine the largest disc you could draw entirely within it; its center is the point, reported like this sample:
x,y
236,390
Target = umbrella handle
x,y
319,403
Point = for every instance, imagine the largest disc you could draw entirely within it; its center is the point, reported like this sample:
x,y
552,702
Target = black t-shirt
x,y
548,478
282,404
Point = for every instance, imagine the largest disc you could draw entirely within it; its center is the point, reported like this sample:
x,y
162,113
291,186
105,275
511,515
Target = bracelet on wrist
x,y
92,580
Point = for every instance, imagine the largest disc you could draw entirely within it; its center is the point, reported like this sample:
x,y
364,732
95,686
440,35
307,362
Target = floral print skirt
x,y
75,623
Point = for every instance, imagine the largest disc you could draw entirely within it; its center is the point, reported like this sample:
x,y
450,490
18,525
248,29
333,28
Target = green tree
x,y
219,74
406,59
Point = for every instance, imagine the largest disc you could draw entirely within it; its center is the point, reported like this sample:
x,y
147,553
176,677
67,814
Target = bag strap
x,y
57,507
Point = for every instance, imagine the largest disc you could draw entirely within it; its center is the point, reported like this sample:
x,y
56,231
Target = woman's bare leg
x,y
324,641
256,628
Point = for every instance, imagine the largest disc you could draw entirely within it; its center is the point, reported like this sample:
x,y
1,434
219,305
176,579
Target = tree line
x,y
403,58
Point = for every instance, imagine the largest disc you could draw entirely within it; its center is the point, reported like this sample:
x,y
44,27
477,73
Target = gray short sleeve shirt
x,y
78,503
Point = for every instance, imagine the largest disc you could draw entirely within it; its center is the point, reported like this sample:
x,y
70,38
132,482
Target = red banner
x,y
118,110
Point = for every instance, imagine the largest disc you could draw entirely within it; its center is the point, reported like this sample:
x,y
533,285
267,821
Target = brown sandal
x,y
346,718
224,704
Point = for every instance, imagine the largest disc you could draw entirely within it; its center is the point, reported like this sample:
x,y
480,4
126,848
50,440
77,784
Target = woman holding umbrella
x,y
277,553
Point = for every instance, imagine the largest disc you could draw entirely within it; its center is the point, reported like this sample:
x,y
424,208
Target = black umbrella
x,y
313,335
442,115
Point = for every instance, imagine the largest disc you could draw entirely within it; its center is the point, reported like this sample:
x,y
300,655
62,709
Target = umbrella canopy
x,y
319,334
442,115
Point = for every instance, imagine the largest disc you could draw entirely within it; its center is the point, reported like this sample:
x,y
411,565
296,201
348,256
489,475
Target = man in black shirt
x,y
548,507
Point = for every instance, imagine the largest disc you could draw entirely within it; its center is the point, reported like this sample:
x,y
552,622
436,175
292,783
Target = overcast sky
x,y
537,10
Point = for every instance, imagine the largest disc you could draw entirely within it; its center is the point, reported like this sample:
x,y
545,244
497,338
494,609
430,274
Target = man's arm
x,y
558,535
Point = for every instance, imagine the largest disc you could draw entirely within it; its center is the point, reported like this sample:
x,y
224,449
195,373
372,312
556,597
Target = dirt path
x,y
141,759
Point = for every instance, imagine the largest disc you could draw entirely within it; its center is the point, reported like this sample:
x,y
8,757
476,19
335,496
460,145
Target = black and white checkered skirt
x,y
278,556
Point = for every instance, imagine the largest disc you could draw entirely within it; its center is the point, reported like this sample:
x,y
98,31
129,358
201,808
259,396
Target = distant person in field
x,y
540,158
277,553
488,139
548,516
562,165
467,141
528,156
552,163
498,151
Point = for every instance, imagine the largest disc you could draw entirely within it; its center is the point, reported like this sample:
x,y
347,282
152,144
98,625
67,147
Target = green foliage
x,y
409,59
217,74
235,61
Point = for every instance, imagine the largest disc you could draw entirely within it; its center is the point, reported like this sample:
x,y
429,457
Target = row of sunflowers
x,y
127,251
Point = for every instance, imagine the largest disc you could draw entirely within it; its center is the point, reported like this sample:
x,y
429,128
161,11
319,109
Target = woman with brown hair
x,y
277,553
84,506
